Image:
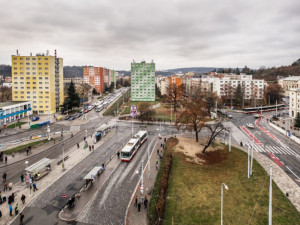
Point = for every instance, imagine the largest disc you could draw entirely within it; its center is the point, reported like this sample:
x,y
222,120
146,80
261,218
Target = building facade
x,y
162,84
12,111
76,80
294,101
289,82
38,79
94,77
107,77
142,81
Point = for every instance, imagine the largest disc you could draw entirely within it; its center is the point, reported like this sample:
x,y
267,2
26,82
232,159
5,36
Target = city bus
x,y
133,145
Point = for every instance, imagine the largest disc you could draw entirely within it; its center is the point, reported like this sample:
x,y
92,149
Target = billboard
x,y
133,111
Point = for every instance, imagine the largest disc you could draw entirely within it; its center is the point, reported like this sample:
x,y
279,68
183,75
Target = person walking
x,y
17,209
27,151
21,218
23,197
0,214
139,207
34,186
13,197
118,154
5,159
10,210
4,177
93,148
5,186
136,201
77,145
90,147
146,203
22,178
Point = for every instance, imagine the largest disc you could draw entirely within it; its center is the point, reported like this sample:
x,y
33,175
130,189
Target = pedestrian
x,y
118,154
17,209
139,207
146,203
10,210
27,151
77,145
90,147
136,200
34,186
5,159
93,148
4,177
5,186
0,214
157,151
22,178
84,138
9,201
21,218
160,158
71,135
23,197
13,197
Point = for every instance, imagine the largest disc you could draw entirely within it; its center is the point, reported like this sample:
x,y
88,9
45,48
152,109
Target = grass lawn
x,y
12,126
22,147
127,109
194,192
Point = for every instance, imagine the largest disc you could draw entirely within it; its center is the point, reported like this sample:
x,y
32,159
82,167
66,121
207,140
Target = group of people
x,y
138,204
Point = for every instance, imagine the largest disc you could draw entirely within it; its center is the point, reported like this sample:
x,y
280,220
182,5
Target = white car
x,y
250,125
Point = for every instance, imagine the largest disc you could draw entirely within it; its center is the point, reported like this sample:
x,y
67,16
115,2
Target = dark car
x,y
67,117
35,118
71,118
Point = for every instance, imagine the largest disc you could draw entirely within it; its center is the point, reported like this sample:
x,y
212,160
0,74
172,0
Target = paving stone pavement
x,y
76,155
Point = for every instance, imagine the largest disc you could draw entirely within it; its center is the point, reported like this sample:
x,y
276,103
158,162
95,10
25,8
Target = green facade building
x,y
113,78
143,81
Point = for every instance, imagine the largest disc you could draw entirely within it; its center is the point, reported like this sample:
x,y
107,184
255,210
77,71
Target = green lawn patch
x,y
23,147
129,104
12,126
194,192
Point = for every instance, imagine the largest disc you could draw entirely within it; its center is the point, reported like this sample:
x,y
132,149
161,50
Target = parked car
x,y
35,118
67,117
71,118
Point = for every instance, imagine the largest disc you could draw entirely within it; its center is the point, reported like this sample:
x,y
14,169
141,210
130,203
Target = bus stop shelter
x,y
41,166
91,175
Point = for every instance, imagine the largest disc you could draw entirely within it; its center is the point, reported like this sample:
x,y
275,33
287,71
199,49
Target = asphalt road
x,y
287,152
45,207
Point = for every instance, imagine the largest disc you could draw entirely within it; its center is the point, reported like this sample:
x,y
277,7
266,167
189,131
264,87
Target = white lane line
x,y
279,149
290,151
292,172
255,148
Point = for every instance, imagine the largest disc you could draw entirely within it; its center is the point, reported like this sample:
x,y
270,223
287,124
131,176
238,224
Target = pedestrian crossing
x,y
284,150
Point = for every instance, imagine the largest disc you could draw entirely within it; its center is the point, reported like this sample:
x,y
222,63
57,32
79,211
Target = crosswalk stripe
x,y
290,151
279,150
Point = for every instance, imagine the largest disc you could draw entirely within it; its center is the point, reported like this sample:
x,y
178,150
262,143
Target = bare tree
x,y
174,95
215,130
193,115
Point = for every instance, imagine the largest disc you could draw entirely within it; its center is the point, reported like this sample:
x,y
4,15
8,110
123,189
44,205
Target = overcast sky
x,y
174,33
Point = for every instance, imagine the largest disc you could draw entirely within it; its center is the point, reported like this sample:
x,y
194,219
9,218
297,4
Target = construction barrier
x,y
34,126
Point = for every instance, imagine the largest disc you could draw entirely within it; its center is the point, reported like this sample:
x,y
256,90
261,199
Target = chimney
x,y
17,52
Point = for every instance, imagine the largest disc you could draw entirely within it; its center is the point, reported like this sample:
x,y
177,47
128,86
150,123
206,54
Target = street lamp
x,y
142,179
63,157
252,150
226,187
48,130
248,161
270,197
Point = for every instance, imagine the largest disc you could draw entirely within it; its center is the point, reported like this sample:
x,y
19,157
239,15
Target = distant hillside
x,y
191,69
5,70
271,74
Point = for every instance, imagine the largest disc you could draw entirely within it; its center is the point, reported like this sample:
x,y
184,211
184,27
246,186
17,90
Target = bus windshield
x,y
125,154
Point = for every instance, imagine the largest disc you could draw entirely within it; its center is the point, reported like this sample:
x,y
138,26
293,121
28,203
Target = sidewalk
x,y
75,156
283,181
87,193
285,126
133,217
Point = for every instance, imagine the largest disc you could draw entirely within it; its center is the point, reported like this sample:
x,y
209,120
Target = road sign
x,y
142,189
290,134
63,196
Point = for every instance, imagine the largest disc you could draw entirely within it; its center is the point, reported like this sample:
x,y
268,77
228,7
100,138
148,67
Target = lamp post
x,y
142,179
48,131
226,187
26,165
229,141
270,197
63,157
248,161
252,150
148,160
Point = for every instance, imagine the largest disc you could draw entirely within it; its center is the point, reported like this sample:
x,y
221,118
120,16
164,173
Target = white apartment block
x,y
294,94
253,89
288,83
162,84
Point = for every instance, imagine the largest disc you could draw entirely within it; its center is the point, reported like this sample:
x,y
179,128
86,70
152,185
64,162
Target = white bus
x,y
99,108
133,145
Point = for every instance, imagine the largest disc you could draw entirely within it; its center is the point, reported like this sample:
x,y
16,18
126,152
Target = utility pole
x,y
270,197
142,178
63,157
229,141
248,161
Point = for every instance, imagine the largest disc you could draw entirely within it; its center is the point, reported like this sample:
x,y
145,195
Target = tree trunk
x,y
205,147
197,138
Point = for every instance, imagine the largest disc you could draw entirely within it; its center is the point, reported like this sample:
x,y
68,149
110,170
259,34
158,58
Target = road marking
x,y
276,160
292,172
250,135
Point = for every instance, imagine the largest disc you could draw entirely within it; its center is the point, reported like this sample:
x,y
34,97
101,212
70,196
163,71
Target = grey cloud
x,y
174,33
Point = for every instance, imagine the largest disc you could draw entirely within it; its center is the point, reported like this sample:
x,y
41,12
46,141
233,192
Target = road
x,y
271,143
45,207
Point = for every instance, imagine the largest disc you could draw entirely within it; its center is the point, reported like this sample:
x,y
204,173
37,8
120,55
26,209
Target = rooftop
x,y
4,104
292,78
